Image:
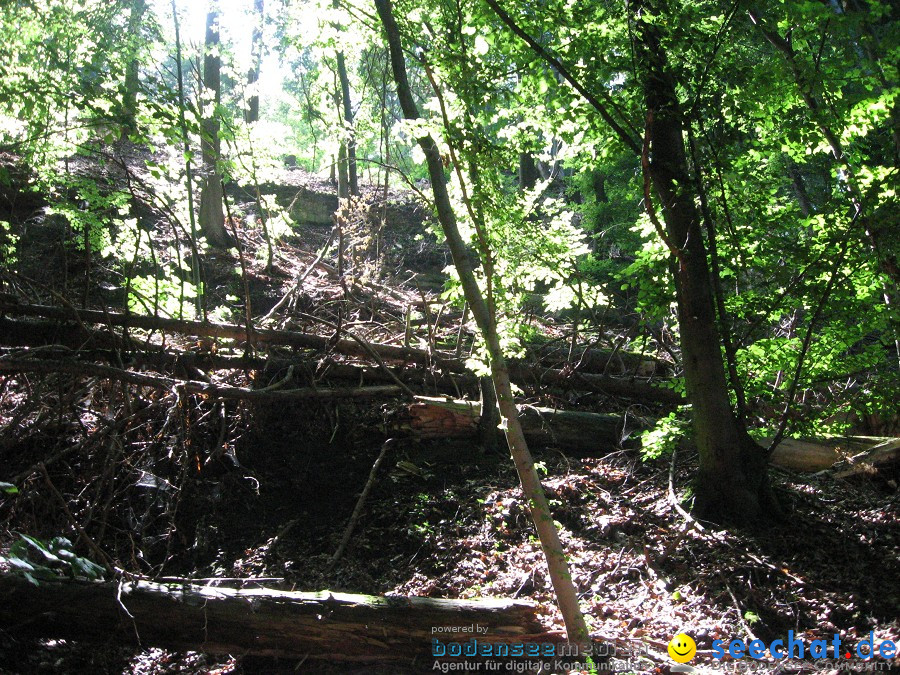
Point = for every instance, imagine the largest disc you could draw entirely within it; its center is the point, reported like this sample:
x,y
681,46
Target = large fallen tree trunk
x,y
101,345
599,361
578,432
332,626
604,384
853,455
884,454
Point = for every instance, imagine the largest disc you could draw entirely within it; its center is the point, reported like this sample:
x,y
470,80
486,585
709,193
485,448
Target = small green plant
x,y
665,436
39,560
751,617
8,242
90,212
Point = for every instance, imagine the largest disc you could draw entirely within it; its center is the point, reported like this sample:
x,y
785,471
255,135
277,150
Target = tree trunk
x,y
566,594
350,141
132,70
212,213
732,484
256,47
343,178
216,620
528,172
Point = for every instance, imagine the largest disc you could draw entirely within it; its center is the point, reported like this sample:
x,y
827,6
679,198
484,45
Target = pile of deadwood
x,y
105,345
435,397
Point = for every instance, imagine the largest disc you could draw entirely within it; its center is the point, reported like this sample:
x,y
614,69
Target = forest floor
x,y
445,519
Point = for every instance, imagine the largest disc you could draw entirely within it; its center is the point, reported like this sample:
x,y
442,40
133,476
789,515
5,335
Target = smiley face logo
x,y
682,648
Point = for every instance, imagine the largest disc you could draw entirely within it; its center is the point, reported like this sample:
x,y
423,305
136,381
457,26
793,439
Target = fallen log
x,y
604,384
578,432
231,331
188,364
599,361
72,335
883,454
290,624
215,391
521,375
858,452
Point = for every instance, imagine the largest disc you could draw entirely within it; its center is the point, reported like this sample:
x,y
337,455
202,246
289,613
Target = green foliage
x,y
166,296
8,242
39,560
90,211
60,65
666,434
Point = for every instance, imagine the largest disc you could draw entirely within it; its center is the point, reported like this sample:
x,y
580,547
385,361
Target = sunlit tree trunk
x,y
132,72
347,152
256,48
352,176
732,484
212,213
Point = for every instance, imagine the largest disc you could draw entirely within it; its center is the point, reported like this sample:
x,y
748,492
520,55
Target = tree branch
x,y
623,135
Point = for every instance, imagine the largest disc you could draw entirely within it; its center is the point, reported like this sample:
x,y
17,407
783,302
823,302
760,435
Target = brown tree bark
x,y
575,432
256,49
327,626
732,484
212,211
132,70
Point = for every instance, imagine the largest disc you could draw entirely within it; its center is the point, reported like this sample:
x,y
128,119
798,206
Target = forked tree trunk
x,y
732,484
352,175
558,568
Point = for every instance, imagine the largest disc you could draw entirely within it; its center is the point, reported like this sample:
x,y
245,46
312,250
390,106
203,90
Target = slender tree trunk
x,y
132,72
347,158
352,177
343,178
566,593
732,484
188,170
212,212
252,113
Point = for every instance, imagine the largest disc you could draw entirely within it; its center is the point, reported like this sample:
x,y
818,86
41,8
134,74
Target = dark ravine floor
x,y
461,531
